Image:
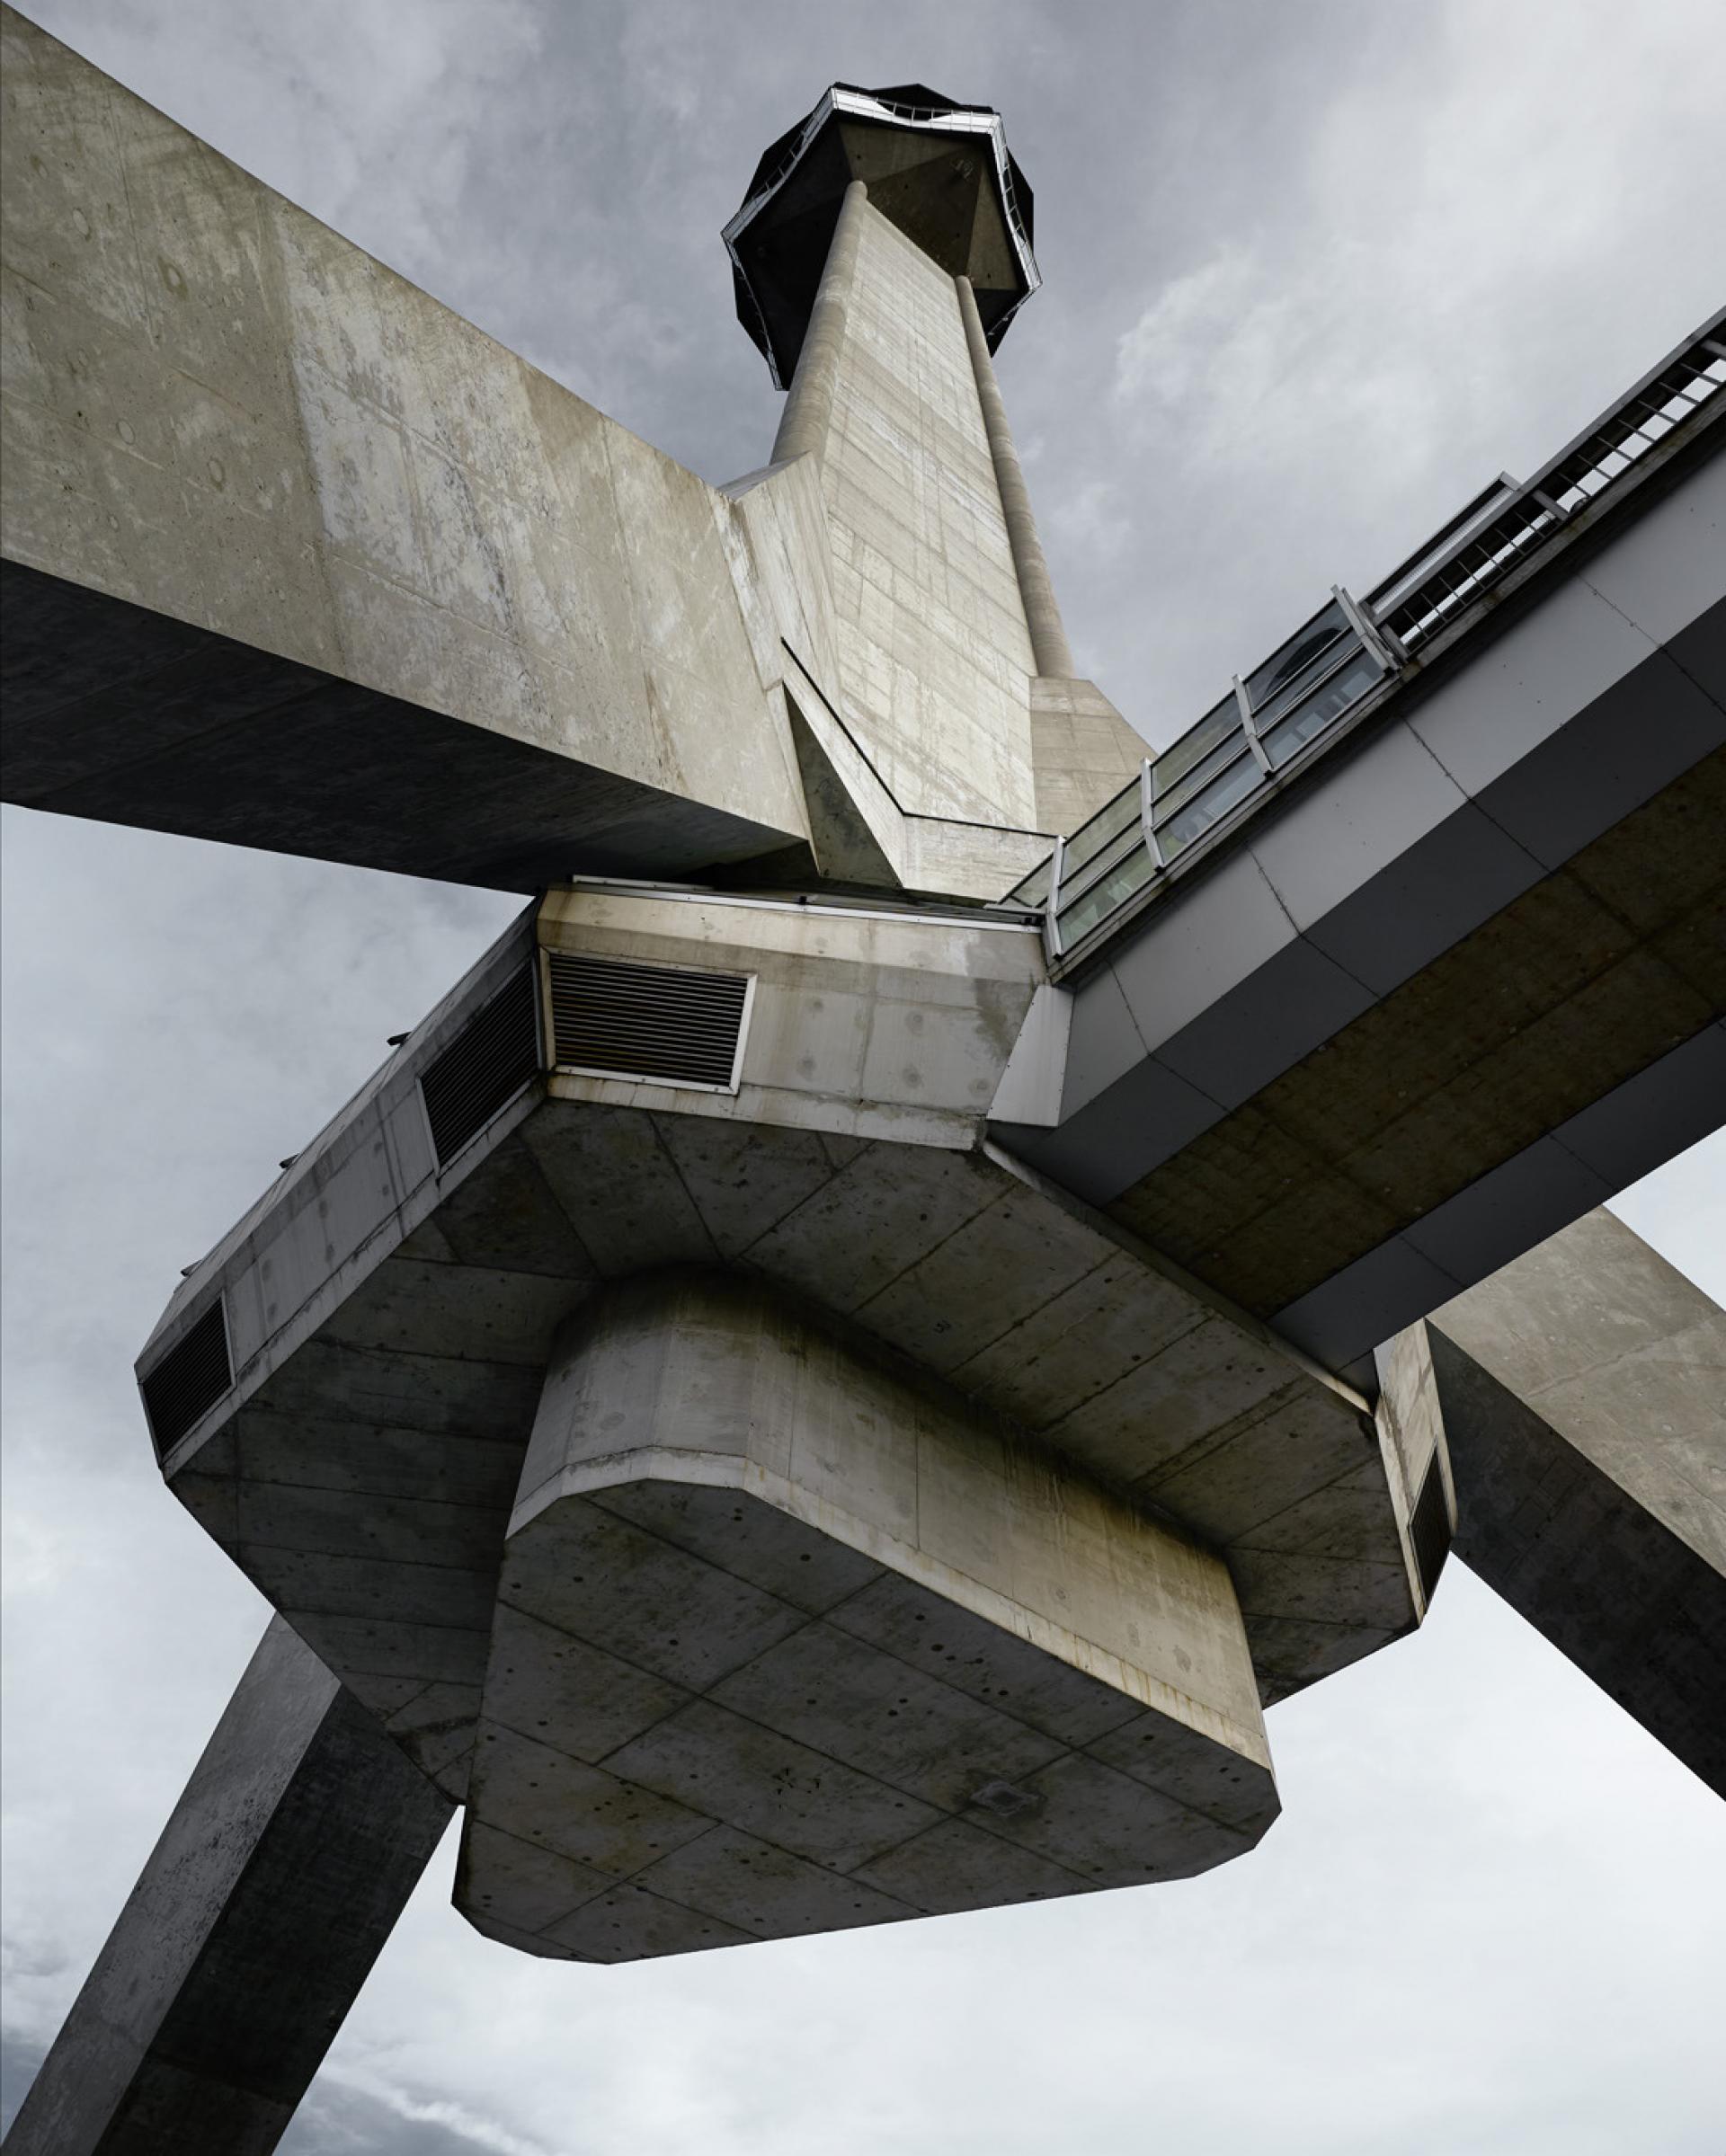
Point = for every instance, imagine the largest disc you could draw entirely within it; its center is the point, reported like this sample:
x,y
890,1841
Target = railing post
x,y
1382,643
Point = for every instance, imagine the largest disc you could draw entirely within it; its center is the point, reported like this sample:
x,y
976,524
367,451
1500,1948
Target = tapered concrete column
x,y
1041,614
301,1836
1583,1396
809,403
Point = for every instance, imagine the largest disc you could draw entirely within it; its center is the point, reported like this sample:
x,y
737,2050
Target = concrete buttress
x,y
275,1884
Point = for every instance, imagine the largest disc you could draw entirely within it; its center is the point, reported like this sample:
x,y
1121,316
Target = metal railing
x,y
1287,711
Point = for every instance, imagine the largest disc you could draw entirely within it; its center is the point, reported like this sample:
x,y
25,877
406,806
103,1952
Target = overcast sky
x,y
1315,273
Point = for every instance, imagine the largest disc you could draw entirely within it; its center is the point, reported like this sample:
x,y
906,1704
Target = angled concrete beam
x,y
1458,985
1584,1398
297,558
260,1911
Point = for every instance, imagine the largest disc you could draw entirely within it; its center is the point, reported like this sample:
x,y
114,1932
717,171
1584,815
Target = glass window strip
x,y
1186,751
1196,816
1307,644
1194,782
1340,693
1092,908
1331,663
1080,880
1103,828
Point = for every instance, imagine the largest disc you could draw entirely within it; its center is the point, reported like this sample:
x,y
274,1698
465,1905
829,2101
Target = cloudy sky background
x,y
1315,273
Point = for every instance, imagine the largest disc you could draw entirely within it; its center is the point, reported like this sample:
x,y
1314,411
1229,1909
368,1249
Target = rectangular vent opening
x,y
1430,1529
485,1066
189,1380
664,1024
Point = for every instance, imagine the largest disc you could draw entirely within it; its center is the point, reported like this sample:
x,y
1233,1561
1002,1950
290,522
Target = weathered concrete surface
x,y
850,805
288,499
935,656
1583,1396
1458,988
808,410
273,1890
790,1638
1082,750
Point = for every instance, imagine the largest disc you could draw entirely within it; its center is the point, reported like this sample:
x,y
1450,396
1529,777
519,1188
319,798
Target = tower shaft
x,y
935,648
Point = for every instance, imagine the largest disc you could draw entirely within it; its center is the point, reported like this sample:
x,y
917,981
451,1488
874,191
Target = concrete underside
x,y
1461,1118
271,1891
129,716
1462,987
1584,1397
790,1638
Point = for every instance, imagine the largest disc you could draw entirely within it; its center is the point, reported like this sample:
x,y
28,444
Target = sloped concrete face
x,y
1082,750
1584,1394
790,1638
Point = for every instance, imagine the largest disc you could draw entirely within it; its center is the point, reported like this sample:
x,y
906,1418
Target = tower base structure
x,y
790,1638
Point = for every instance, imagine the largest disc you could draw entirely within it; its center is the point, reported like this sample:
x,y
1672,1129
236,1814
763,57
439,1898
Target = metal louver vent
x,y
189,1380
674,1027
1430,1529
484,1066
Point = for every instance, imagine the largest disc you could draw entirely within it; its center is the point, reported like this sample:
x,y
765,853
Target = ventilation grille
x,y
1429,1530
189,1381
660,1023
483,1067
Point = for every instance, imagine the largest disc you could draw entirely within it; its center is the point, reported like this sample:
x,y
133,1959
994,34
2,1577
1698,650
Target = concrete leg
x,y
269,1894
1584,1398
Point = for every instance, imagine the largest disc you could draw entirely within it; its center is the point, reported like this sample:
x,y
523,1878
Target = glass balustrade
x,y
1224,767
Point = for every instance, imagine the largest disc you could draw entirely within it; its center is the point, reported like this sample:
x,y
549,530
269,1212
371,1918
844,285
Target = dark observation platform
x,y
941,170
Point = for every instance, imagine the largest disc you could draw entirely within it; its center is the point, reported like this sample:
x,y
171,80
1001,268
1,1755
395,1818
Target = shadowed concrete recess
x,y
789,1637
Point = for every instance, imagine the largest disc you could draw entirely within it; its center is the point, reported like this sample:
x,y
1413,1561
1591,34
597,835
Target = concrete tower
x,y
837,1374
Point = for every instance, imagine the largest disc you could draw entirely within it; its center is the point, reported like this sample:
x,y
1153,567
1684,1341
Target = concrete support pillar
x,y
262,1907
809,403
1041,614
1584,1397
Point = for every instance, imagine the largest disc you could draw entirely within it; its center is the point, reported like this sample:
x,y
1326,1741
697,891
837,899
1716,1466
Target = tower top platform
x,y
939,170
